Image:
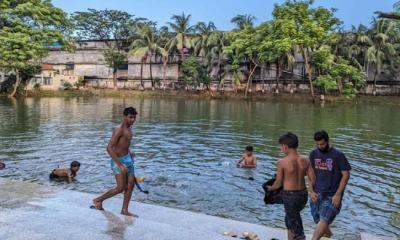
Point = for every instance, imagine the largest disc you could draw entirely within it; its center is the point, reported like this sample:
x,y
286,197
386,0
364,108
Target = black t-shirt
x,y
327,168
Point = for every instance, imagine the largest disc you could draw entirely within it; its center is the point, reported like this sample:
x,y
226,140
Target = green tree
x,y
115,59
27,29
115,28
146,46
243,21
194,73
313,27
164,36
235,72
216,43
381,47
336,73
276,43
183,33
353,46
201,42
243,48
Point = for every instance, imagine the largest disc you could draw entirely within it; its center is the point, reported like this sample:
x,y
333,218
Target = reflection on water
x,y
187,150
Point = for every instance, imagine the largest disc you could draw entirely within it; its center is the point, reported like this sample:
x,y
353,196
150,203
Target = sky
x,y
351,12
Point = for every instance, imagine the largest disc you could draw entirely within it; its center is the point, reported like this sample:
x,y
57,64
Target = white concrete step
x,y
29,211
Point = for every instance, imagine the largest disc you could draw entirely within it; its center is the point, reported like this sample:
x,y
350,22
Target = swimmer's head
x,y
288,141
129,115
75,165
321,139
249,150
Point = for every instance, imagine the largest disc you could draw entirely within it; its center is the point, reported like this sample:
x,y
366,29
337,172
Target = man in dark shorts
x,y
332,172
291,171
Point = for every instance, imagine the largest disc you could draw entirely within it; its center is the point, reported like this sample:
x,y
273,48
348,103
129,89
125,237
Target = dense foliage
x,y
334,60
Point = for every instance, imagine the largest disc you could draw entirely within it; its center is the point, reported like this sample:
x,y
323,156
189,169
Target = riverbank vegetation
x,y
336,59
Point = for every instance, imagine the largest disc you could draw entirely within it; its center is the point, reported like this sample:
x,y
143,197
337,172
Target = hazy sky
x,y
352,12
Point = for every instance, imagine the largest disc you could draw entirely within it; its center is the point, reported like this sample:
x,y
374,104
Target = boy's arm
x,y
68,172
241,160
69,175
254,161
110,148
131,153
279,178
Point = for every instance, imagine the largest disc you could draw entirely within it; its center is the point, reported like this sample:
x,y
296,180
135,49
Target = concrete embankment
x,y
30,211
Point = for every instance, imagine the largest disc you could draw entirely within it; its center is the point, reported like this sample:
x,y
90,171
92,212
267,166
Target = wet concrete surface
x,y
30,211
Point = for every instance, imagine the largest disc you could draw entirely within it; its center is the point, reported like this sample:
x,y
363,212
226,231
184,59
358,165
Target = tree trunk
x,y
151,74
219,68
115,78
249,78
141,72
374,88
17,82
308,71
278,74
340,86
182,55
165,59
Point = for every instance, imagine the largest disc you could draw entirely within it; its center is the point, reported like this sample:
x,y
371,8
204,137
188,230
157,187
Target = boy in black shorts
x,y
291,171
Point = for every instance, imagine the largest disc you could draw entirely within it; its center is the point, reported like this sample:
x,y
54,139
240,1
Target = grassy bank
x,y
169,93
296,97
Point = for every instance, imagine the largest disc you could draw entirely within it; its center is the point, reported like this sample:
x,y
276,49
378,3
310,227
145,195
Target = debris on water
x,y
225,164
2,165
250,236
230,234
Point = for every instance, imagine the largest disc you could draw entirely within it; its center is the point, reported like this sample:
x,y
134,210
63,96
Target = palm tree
x,y
183,30
164,36
381,48
216,43
201,43
236,73
353,46
243,21
147,45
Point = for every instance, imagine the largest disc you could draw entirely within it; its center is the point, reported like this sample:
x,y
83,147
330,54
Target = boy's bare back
x,y
294,170
63,172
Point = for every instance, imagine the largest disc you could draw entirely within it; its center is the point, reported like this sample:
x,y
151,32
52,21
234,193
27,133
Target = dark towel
x,y
273,197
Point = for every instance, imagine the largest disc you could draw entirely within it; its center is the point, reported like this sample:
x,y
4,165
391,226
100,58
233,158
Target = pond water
x,y
186,149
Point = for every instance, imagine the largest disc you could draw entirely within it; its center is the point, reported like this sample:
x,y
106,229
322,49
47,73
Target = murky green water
x,y
187,149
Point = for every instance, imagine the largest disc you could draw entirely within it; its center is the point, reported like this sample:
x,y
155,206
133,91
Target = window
x,y
123,67
47,81
69,66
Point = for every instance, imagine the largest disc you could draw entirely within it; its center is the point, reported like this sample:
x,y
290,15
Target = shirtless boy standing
x,y
121,162
291,171
248,158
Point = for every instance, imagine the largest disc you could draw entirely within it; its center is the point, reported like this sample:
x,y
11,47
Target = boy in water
x,y
291,171
248,158
69,173
121,162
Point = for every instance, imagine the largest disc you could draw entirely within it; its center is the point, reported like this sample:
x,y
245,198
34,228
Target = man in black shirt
x,y
332,172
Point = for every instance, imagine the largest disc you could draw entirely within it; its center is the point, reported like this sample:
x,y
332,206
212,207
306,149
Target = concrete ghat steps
x,y
33,212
